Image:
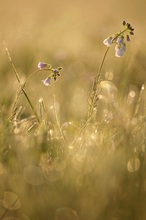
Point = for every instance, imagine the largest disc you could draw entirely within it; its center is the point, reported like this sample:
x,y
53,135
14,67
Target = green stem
x,y
102,62
31,105
95,83
36,71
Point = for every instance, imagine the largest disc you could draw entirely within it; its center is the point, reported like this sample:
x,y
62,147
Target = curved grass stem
x,y
20,84
35,72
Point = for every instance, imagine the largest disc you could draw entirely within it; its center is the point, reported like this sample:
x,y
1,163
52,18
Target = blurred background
x,y
69,34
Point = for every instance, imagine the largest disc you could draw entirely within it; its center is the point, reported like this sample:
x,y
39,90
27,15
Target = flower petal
x,y
119,52
120,40
47,81
42,65
108,41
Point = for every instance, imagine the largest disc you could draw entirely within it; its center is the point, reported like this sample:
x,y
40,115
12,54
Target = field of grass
x,y
76,149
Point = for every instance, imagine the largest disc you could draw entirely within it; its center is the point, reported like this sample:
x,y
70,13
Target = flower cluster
x,y
54,73
119,39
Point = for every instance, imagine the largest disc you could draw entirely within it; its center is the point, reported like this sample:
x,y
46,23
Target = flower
x,y
53,73
120,40
120,50
120,47
108,41
42,65
47,81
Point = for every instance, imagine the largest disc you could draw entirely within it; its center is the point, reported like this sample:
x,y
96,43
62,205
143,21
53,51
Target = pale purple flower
x,y
47,81
120,50
108,41
120,40
42,65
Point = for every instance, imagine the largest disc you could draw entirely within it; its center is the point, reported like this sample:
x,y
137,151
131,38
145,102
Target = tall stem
x,y
95,83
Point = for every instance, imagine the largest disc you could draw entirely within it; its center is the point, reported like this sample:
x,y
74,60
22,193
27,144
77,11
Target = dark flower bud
x,y
128,38
131,32
55,78
59,68
132,29
124,23
56,71
129,26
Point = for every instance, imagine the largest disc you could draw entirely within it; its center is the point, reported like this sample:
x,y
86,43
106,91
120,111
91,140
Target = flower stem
x,y
94,87
35,72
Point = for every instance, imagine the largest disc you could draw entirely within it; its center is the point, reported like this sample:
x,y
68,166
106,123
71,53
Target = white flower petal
x,y
47,81
108,41
119,53
120,40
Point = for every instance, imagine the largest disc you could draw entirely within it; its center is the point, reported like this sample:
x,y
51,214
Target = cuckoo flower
x,y
53,73
47,81
42,65
120,39
120,50
108,41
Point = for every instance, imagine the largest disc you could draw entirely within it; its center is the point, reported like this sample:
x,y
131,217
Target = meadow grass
x,y
91,167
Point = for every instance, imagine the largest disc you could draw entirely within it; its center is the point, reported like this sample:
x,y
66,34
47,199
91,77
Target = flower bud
x,y
42,65
47,81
